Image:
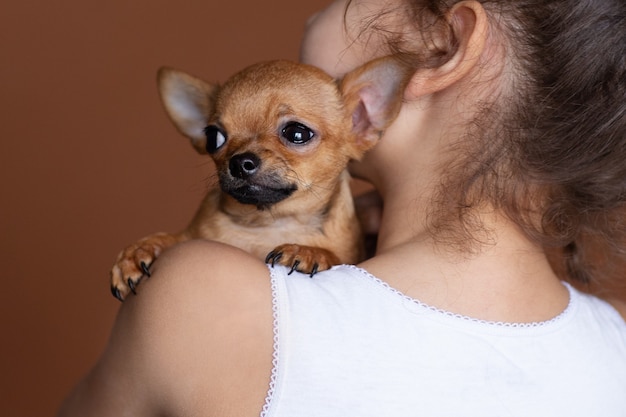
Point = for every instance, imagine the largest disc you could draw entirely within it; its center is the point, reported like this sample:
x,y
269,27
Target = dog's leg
x,y
133,263
307,259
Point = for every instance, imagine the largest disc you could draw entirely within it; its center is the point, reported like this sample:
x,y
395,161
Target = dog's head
x,y
281,129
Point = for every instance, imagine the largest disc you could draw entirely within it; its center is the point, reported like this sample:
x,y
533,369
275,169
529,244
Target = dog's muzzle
x,y
248,184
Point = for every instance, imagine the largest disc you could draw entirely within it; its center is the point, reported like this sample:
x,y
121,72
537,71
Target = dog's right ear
x,y
189,102
373,95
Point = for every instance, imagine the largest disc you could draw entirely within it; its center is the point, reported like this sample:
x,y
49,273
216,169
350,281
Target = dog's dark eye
x,y
297,133
215,138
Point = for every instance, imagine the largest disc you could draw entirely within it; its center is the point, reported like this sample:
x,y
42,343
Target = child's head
x,y
547,145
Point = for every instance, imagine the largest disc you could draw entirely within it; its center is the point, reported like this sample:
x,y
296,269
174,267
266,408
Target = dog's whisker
x,y
211,181
314,189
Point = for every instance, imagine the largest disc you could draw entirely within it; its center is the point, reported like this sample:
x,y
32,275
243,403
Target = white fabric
x,y
347,344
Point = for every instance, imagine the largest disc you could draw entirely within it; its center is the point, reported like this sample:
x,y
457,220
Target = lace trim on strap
x,y
274,375
561,316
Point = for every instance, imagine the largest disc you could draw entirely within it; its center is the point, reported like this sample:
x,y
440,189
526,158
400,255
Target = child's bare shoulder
x,y
202,323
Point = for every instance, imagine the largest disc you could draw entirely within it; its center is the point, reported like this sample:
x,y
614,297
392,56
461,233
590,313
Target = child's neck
x,y
508,279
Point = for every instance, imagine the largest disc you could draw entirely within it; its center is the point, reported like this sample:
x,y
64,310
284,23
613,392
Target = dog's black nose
x,y
244,165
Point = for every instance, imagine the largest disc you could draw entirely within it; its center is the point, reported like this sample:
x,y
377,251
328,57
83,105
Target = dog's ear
x,y
373,95
189,102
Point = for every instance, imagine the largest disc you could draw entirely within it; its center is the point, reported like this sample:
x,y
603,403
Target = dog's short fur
x,y
281,135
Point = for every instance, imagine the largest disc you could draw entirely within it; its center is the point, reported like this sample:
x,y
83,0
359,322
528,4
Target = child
x,y
511,142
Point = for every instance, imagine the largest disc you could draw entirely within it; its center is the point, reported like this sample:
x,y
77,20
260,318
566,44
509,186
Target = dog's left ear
x,y
373,96
189,102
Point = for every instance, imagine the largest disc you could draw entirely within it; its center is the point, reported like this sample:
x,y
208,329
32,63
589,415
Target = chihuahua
x,y
281,135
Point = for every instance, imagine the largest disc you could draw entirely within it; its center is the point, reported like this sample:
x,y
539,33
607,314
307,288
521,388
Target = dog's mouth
x,y
248,183
261,195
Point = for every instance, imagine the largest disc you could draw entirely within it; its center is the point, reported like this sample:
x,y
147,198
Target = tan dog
x,y
281,135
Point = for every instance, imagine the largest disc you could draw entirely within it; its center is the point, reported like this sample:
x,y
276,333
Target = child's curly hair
x,y
550,153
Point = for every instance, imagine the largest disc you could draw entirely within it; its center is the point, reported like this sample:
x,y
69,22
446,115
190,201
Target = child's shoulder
x,y
204,315
618,305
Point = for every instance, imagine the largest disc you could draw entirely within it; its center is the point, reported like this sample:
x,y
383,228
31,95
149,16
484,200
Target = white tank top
x,y
346,344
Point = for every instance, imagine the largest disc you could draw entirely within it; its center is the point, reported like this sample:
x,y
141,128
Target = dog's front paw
x,y
306,259
133,263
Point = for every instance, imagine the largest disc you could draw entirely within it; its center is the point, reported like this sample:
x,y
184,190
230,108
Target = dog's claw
x,y
273,257
132,287
294,266
134,262
145,270
116,293
314,270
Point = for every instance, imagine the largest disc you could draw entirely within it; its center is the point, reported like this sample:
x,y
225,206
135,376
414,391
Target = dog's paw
x,y
307,259
133,263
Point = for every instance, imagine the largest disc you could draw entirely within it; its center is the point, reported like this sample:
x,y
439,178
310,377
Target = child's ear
x,y
468,21
188,101
373,95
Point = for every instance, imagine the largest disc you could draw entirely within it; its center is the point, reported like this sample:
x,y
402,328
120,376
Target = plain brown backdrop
x,y
89,162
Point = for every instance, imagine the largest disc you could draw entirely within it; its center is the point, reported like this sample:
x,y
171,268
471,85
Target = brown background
x,y
89,162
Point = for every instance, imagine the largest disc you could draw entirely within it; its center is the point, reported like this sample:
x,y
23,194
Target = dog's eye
x,y
297,133
215,138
